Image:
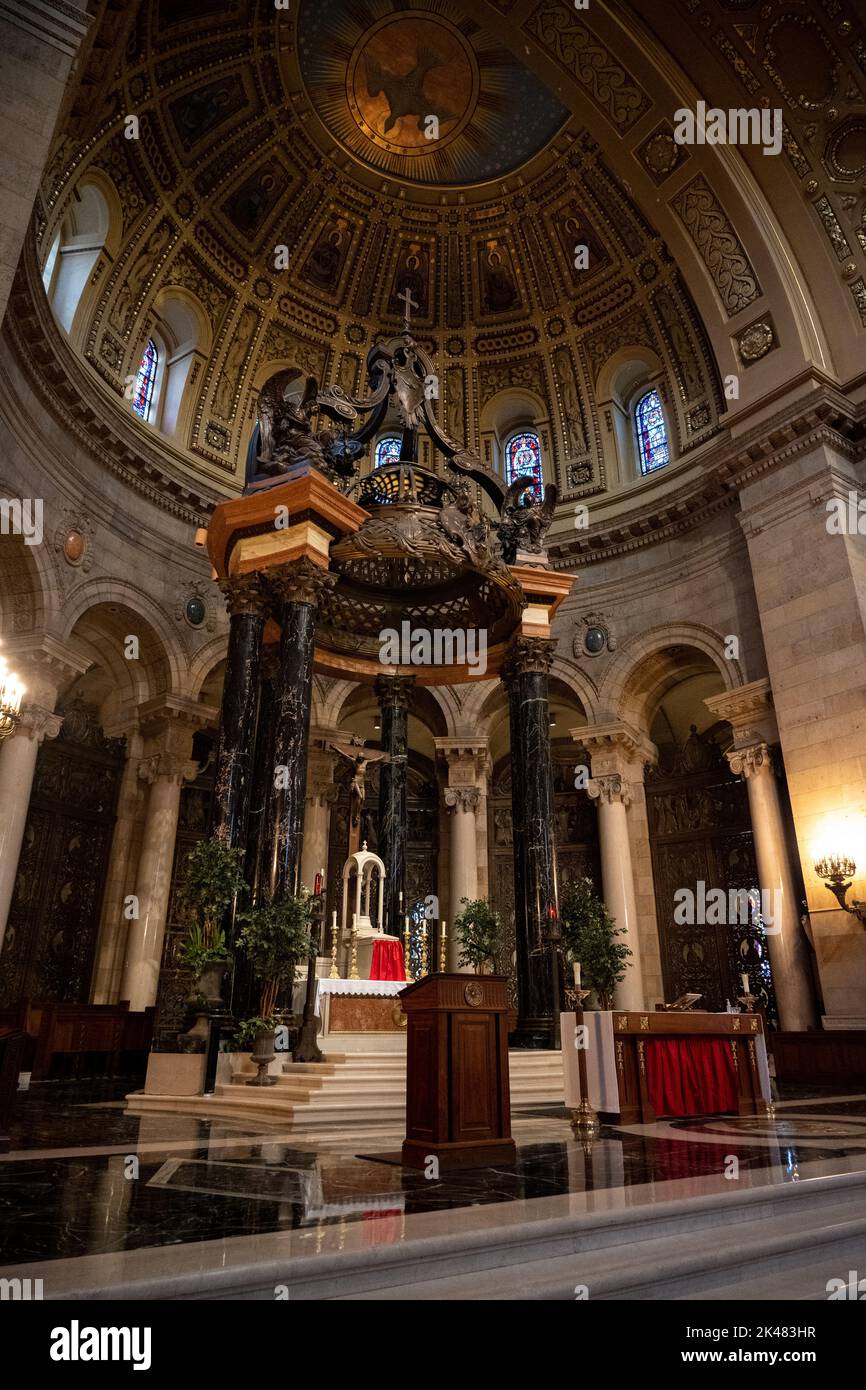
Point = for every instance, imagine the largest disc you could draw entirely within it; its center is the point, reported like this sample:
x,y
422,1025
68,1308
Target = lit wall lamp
x,y
838,873
11,691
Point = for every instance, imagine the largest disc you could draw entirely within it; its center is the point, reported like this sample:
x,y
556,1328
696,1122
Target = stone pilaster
x,y
18,755
39,40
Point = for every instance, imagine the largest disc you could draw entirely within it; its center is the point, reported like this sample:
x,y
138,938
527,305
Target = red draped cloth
x,y
388,962
691,1076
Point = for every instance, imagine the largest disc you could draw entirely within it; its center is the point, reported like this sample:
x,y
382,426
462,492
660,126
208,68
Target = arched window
x,y
652,436
523,459
388,449
142,396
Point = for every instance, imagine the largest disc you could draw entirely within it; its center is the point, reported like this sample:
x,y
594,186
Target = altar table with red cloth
x,y
691,1076
648,1065
388,961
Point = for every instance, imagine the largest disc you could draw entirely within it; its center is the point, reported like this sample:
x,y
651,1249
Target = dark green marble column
x,y
539,957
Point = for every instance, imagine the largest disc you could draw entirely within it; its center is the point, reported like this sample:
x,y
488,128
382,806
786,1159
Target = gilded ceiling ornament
x,y
755,341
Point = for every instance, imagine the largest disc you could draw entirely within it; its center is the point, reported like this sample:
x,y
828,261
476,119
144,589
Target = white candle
x,y
576,969
334,919
745,979
423,928
401,897
406,920
444,933
354,918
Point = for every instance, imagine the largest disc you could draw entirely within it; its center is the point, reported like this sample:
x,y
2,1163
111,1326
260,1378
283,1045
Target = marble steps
x,y
764,1243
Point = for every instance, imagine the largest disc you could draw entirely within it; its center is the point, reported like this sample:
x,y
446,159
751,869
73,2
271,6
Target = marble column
x,y
466,761
393,693
295,588
539,956
786,940
462,803
18,755
613,796
246,603
165,771
619,754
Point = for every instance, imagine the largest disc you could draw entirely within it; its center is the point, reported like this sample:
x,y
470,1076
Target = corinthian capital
x,y
751,761
533,654
299,581
245,593
39,723
167,767
610,788
466,798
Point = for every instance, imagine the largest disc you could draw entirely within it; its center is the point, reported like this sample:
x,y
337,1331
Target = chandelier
x,y
11,691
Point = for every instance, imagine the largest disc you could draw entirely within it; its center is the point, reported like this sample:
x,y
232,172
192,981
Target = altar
x,y
646,1066
354,1006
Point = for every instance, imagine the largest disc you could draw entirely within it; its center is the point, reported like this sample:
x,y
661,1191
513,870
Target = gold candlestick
x,y
443,950
407,951
335,974
353,973
424,950
584,1120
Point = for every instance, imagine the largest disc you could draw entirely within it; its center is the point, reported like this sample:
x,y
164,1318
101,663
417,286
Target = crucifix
x,y
406,296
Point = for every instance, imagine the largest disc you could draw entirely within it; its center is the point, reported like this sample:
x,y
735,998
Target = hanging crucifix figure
x,y
355,751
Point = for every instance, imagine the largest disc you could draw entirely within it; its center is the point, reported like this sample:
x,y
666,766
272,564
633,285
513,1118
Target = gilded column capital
x,y
610,788
245,593
751,761
298,581
529,654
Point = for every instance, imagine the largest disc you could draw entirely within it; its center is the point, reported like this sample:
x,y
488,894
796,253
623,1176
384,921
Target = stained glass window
x,y
142,396
523,459
652,437
388,449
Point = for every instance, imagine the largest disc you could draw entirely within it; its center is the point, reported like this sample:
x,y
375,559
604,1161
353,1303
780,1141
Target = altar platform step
x,y
363,1092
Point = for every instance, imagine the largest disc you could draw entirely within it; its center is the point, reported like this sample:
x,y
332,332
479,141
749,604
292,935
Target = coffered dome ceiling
x,y
379,148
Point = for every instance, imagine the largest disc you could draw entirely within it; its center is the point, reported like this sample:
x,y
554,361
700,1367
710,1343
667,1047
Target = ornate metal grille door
x,y
54,919
700,832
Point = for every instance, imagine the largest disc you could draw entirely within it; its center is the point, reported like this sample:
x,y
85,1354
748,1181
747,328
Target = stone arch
x,y
164,665
650,663
28,588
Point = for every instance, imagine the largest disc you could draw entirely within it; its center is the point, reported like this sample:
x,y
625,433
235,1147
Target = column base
x,y
534,1033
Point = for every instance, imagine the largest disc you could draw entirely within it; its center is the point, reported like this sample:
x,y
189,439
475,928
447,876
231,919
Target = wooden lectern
x,y
457,1100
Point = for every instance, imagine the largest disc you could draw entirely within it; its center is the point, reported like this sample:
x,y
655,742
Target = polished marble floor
x,y
84,1178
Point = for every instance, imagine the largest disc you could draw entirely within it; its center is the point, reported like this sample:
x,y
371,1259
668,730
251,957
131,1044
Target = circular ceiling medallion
x,y
412,85
418,94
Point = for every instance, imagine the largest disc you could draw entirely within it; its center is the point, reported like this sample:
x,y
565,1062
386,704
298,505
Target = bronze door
x,y
701,833
54,918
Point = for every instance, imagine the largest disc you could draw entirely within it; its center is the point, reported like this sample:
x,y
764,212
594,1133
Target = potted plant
x,y
479,927
589,936
275,936
214,876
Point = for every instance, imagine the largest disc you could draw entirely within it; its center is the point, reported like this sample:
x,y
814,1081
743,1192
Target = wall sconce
x,y
201,537
11,691
837,873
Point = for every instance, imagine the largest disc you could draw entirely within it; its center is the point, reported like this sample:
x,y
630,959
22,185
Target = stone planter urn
x,y
262,1055
210,983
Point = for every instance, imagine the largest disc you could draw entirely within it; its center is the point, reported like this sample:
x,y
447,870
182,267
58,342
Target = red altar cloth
x,y
691,1076
388,962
